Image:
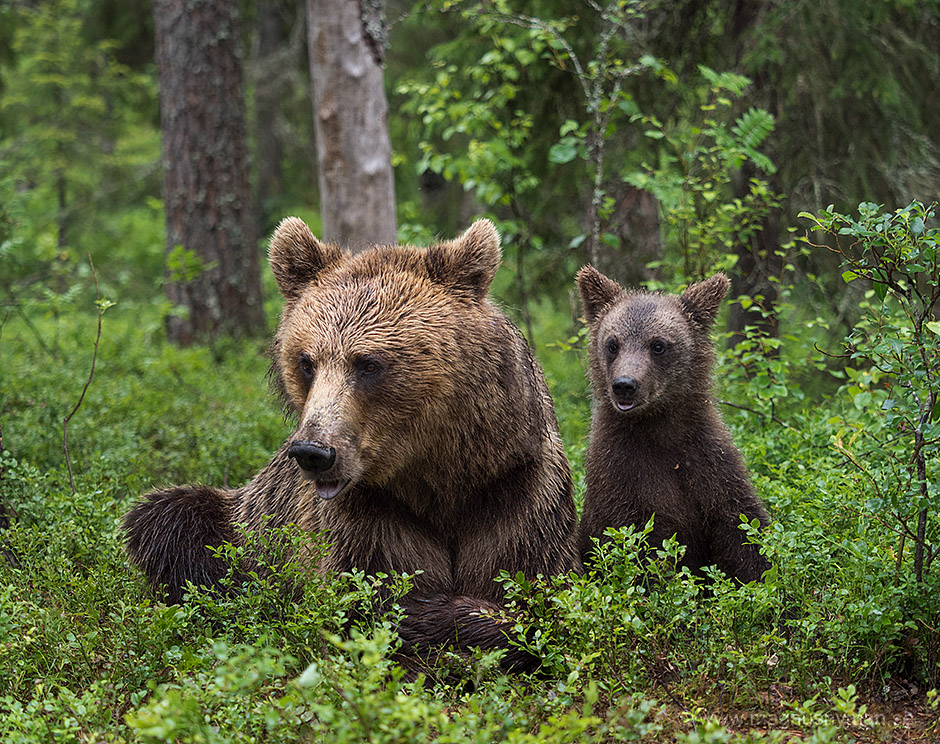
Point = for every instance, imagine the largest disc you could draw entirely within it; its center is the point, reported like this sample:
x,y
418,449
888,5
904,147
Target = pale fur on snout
x,y
328,419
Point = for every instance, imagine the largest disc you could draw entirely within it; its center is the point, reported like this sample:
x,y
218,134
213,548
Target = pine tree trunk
x,y
755,270
635,221
757,267
206,189
269,151
357,188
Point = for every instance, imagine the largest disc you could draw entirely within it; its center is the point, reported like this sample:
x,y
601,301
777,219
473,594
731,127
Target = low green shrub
x,y
632,653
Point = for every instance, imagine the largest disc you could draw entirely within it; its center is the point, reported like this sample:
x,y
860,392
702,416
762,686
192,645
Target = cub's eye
x,y
306,366
612,346
658,348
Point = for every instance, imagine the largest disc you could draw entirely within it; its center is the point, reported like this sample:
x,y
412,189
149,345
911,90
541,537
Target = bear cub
x,y
658,446
426,440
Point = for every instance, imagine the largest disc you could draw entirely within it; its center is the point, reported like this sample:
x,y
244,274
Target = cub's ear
x,y
297,257
703,300
597,292
467,263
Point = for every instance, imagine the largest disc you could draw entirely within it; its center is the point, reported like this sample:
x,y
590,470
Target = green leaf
x,y
848,276
762,161
628,106
862,400
568,127
562,152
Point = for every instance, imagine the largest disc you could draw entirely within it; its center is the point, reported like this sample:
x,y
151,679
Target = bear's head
x,y
372,351
650,351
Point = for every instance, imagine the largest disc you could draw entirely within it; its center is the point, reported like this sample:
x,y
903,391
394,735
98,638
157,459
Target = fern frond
x,y
752,127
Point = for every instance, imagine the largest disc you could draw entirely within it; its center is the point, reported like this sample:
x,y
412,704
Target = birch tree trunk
x,y
206,192
357,188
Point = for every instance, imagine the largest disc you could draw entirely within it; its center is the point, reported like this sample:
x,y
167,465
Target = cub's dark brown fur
x,y
426,438
658,445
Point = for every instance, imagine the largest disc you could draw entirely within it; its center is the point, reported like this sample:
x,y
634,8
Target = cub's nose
x,y
312,456
624,387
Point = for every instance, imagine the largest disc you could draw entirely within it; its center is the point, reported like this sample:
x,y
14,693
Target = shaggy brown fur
x,y
426,438
658,445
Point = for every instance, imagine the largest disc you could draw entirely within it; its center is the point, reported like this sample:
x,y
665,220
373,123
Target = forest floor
x,y
899,716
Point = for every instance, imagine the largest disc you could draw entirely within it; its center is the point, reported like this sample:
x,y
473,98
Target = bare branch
x,y
91,374
771,416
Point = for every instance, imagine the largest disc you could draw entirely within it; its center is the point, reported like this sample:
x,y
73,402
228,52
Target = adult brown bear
x,y
426,439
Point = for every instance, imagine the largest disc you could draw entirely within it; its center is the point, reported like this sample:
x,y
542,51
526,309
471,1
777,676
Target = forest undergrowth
x,y
840,643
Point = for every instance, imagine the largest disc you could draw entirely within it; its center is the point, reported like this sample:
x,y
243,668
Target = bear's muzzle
x,y
312,456
624,391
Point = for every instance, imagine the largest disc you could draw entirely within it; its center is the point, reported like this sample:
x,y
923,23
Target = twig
x,y
771,416
91,374
54,353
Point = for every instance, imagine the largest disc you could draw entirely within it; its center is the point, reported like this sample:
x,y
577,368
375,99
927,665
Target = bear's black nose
x,y
624,387
312,456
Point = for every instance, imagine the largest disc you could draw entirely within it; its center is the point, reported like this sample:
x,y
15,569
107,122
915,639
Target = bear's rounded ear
x,y
597,291
297,257
467,263
703,300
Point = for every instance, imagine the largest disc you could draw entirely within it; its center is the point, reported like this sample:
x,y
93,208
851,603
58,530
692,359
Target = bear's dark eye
x,y
658,348
306,367
368,367
612,346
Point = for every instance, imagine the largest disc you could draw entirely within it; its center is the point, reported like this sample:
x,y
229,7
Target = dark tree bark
x,y
754,271
275,72
757,260
635,222
278,76
269,151
357,188
206,189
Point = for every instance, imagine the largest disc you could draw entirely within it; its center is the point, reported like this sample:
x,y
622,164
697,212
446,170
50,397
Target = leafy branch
x,y
898,340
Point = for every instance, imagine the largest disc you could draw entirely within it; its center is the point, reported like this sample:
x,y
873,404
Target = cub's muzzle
x,y
624,390
312,456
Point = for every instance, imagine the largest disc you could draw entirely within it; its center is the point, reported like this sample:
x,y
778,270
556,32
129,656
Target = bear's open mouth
x,y
625,404
327,490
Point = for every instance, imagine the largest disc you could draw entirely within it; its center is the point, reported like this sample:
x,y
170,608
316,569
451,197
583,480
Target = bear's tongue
x,y
328,489
625,405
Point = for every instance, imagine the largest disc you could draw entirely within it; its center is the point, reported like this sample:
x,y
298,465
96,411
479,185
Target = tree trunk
x,y
635,222
206,189
357,188
63,210
269,94
755,270
753,277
